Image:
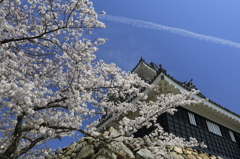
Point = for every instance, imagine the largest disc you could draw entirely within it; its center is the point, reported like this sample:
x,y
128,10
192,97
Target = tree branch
x,y
51,105
29,38
33,143
12,148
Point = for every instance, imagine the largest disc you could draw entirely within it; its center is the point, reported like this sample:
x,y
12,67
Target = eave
x,y
167,84
209,109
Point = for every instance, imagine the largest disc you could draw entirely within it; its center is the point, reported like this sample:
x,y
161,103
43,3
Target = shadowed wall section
x,y
179,124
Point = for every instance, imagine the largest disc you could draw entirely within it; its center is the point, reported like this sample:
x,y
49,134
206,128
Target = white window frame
x,y
232,135
214,128
192,119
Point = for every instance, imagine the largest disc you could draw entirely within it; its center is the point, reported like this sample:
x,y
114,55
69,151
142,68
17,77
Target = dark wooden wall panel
x,y
180,125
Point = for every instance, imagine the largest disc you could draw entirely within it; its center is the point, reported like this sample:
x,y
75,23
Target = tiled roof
x,y
187,85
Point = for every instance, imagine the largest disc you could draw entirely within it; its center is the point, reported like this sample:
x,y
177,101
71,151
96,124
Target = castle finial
x,y
160,66
141,59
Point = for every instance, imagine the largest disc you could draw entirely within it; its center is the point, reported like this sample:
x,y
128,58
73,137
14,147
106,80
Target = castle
x,y
210,122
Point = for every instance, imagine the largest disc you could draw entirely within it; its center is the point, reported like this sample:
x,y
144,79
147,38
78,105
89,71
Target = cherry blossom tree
x,y
51,82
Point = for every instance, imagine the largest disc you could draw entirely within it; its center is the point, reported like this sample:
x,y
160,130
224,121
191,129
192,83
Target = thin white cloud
x,y
182,32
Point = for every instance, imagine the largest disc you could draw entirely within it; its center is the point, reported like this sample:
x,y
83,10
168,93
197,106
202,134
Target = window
x,y
192,118
232,136
214,128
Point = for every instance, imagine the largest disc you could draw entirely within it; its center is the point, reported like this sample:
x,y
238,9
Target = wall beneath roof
x,y
180,125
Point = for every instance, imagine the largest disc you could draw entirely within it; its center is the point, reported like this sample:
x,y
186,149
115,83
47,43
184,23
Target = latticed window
x,y
192,118
214,128
232,136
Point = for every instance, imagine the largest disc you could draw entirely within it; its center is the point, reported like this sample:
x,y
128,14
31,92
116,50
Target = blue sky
x,y
214,68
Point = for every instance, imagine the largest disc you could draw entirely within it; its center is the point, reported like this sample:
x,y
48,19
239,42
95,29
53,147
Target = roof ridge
x,y
189,86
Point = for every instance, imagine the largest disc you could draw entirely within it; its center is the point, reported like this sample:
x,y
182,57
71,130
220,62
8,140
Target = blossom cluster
x,y
51,82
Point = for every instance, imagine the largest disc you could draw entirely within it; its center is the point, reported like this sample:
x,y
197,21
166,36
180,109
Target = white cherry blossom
x,y
51,82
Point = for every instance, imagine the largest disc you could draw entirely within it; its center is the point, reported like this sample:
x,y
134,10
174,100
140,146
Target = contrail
x,y
182,32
